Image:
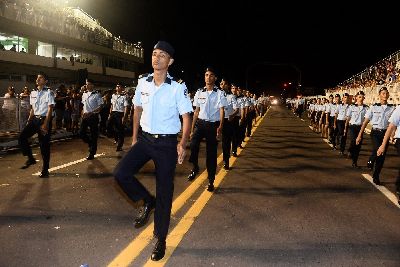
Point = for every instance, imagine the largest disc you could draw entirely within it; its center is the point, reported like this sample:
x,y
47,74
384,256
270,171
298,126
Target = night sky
x,y
327,43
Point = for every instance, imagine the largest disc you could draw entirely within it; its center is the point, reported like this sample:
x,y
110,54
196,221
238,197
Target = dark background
x,y
256,44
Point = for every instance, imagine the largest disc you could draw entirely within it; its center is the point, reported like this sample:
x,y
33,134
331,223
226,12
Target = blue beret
x,y
166,47
360,93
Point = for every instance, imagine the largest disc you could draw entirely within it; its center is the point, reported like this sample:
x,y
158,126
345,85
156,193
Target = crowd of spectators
x,y
385,72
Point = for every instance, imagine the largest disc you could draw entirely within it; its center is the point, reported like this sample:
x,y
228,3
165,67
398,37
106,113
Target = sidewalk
x,y
9,140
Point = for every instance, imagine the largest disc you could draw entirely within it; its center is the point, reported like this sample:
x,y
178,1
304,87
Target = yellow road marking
x,y
132,251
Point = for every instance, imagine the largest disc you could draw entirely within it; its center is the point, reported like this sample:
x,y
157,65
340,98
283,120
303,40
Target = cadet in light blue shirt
x,y
39,122
92,104
379,115
355,117
118,115
340,123
208,120
158,101
231,109
394,125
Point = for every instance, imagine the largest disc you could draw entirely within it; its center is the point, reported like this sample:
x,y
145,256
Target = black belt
x,y
156,136
40,117
210,122
378,130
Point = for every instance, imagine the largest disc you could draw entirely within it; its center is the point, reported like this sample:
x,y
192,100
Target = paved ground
x,y
288,201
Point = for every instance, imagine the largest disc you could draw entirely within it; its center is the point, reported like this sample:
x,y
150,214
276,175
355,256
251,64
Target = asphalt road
x,y
289,200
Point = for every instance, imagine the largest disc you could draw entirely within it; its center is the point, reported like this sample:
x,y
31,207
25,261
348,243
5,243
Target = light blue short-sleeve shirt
x,y
119,102
395,119
210,102
162,104
41,100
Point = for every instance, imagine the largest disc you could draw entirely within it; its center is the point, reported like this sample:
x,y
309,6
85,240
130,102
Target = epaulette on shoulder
x,y
180,81
96,92
390,105
143,75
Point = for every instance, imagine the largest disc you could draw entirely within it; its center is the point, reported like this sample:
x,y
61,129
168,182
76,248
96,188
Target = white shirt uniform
x,y
231,105
41,100
119,102
379,115
91,101
341,111
356,114
210,103
395,119
161,104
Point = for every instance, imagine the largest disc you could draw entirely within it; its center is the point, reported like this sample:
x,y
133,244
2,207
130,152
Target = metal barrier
x,y
14,114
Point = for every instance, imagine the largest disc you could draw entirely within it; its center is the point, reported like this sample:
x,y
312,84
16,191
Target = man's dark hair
x,y
90,81
44,75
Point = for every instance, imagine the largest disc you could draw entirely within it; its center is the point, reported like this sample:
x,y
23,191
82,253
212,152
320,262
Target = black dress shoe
x,y
234,154
193,174
226,166
398,196
158,251
44,174
28,163
118,149
354,165
376,181
370,165
143,217
90,157
210,187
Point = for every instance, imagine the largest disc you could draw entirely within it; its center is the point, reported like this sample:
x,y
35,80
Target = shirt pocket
x,y
145,97
202,100
167,101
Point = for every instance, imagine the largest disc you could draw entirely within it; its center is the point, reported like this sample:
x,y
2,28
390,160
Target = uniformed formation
x,y
162,110
336,119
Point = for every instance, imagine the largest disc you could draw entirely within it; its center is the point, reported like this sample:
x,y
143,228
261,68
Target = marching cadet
x,y
158,102
330,118
394,127
354,118
92,105
324,118
118,116
208,121
340,122
235,121
228,128
312,112
39,122
251,113
243,105
379,115
318,114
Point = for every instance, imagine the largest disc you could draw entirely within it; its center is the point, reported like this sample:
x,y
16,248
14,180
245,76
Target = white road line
x,y
69,164
392,197
326,141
